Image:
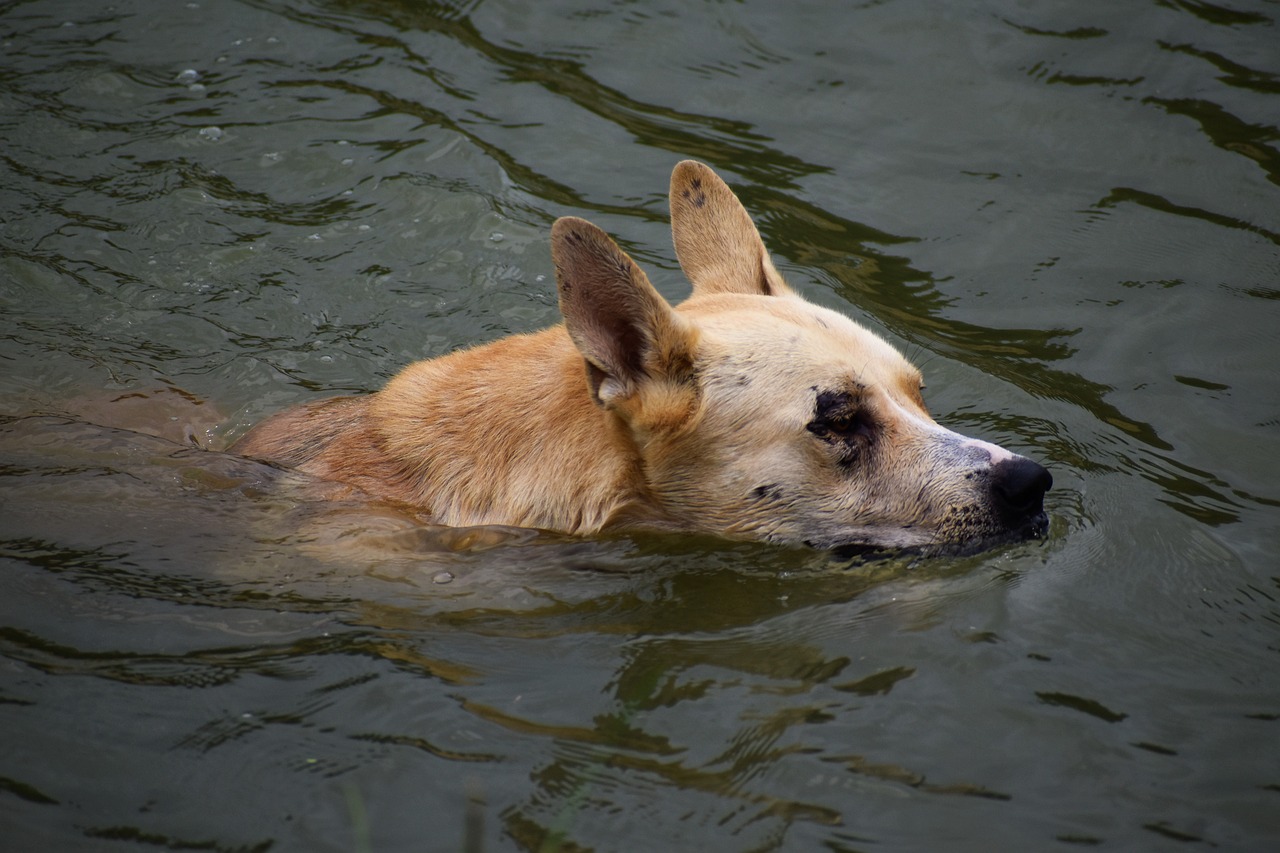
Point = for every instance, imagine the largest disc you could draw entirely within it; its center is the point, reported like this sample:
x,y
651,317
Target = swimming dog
x,y
744,412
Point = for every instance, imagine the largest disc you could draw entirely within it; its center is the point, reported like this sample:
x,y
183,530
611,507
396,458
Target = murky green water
x,y
1069,214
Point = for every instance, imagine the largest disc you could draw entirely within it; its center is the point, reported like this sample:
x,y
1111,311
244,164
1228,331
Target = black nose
x,y
1017,489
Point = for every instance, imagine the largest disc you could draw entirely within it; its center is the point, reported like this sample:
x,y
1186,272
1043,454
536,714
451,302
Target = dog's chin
x,y
1036,527
872,546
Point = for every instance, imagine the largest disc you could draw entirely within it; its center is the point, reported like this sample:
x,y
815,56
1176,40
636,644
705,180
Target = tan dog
x,y
745,412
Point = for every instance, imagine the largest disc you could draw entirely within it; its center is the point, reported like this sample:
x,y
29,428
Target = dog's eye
x,y
841,425
838,419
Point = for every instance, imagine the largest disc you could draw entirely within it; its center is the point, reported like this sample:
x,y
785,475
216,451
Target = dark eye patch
x,y
838,418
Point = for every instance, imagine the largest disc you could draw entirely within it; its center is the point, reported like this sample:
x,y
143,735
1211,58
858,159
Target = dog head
x,y
756,414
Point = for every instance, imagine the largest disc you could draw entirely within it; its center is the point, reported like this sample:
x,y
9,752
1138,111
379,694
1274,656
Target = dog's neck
x,y
507,433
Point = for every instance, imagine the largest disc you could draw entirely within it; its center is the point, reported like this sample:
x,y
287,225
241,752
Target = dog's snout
x,y
1017,487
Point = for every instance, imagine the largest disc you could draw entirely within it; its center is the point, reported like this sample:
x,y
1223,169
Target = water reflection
x,y
708,138
1123,195
1066,213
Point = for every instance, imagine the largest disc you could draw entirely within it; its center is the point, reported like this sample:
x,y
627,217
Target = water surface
x,y
1066,214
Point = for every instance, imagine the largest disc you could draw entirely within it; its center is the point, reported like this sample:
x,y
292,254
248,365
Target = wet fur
x,y
745,412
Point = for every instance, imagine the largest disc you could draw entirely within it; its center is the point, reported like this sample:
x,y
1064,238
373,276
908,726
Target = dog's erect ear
x,y
717,244
625,330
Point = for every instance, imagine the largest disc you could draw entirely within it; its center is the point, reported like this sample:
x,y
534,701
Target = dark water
x,y
1068,214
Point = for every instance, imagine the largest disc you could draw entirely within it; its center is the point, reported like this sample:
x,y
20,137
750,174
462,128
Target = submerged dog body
x,y
744,412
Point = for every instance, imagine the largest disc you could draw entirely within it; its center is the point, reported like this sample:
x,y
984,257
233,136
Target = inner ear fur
x,y
626,332
716,242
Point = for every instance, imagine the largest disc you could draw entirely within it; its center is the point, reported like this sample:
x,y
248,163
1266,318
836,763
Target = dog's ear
x,y
627,333
717,244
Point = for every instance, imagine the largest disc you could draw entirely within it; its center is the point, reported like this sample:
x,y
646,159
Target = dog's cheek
x,y
903,484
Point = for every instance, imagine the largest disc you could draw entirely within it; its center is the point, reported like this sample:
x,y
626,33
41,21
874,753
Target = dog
x,y
745,412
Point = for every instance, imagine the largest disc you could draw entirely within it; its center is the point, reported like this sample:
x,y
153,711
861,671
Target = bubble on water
x,y
497,236
442,577
315,237
347,161
189,75
362,227
211,133
326,359
196,87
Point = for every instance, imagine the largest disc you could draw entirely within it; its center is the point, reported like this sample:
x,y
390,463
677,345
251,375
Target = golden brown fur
x,y
745,412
